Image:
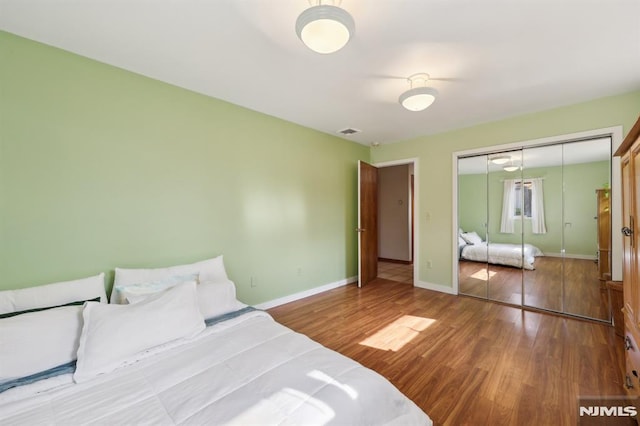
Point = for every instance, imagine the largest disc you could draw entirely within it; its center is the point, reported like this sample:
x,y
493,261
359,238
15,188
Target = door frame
x,y
416,202
615,133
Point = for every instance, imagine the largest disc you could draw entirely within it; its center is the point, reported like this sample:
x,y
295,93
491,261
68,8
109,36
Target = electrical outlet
x,y
254,282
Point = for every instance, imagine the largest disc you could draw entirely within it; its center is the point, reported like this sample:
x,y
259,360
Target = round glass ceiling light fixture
x,y
510,168
325,28
500,159
419,97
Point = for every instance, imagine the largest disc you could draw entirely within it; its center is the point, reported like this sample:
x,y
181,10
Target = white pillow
x,y
134,294
52,294
207,270
139,291
38,341
461,242
111,334
214,298
471,238
218,298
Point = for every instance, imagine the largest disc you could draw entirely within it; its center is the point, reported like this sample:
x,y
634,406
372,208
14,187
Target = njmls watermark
x,y
607,410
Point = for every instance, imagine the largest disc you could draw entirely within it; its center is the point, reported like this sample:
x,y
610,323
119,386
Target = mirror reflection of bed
x,y
553,202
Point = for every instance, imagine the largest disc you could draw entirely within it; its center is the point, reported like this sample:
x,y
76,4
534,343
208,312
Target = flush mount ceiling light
x,y
419,96
325,28
511,167
500,159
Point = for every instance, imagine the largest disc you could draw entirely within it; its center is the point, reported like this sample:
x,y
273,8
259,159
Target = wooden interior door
x,y
367,223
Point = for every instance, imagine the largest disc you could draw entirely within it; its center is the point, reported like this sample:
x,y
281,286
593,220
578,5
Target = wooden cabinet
x,y
604,233
629,152
616,296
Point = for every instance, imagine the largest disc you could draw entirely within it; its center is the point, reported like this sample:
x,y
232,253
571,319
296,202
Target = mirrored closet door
x,y
535,227
472,218
504,240
542,225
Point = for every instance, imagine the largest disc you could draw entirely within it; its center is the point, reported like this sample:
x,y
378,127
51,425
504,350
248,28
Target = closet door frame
x,y
615,133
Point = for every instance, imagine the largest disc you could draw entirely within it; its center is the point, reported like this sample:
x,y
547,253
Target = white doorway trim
x,y
416,200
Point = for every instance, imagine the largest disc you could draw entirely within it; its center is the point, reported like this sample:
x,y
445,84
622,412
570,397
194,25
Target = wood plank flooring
x,y
465,361
569,285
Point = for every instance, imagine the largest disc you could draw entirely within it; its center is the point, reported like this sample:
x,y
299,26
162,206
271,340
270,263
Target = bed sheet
x,y
502,254
246,370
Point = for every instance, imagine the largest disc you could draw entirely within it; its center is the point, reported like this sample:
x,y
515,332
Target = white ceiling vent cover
x,y
349,131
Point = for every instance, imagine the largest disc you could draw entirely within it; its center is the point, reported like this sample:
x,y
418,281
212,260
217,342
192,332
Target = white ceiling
x,y
489,59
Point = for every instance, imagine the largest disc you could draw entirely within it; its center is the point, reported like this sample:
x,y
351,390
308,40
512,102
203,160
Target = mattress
x,y
520,256
243,369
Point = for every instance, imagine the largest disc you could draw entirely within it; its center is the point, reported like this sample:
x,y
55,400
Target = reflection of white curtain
x,y
508,206
537,207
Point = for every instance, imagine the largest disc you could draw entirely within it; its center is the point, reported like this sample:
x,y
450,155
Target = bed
x,y
471,247
206,358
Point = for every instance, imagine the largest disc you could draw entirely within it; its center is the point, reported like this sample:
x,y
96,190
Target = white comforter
x,y
502,254
249,370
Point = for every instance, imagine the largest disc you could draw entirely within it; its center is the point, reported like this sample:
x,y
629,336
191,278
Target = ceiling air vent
x,y
349,131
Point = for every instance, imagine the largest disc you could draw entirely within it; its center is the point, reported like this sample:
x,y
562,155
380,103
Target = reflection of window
x,y
526,199
522,205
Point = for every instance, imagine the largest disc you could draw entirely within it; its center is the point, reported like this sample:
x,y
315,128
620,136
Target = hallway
x,y
399,272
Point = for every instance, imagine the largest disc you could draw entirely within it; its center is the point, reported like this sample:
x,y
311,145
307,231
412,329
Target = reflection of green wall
x,y
580,208
580,183
472,203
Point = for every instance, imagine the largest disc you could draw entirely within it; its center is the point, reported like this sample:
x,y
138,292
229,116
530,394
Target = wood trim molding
x,y
633,135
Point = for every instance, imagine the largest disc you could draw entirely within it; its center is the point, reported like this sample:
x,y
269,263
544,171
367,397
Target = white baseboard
x,y
571,256
436,287
301,295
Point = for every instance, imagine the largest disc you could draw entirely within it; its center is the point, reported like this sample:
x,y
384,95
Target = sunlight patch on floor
x,y
397,334
484,275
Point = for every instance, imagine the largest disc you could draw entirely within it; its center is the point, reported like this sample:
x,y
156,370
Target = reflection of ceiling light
x,y
510,168
500,159
419,96
325,28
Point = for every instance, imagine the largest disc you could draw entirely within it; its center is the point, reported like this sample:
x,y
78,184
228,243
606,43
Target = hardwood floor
x,y
465,361
583,293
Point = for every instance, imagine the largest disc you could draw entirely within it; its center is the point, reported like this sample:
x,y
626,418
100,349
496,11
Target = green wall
x,y
100,167
480,201
435,157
